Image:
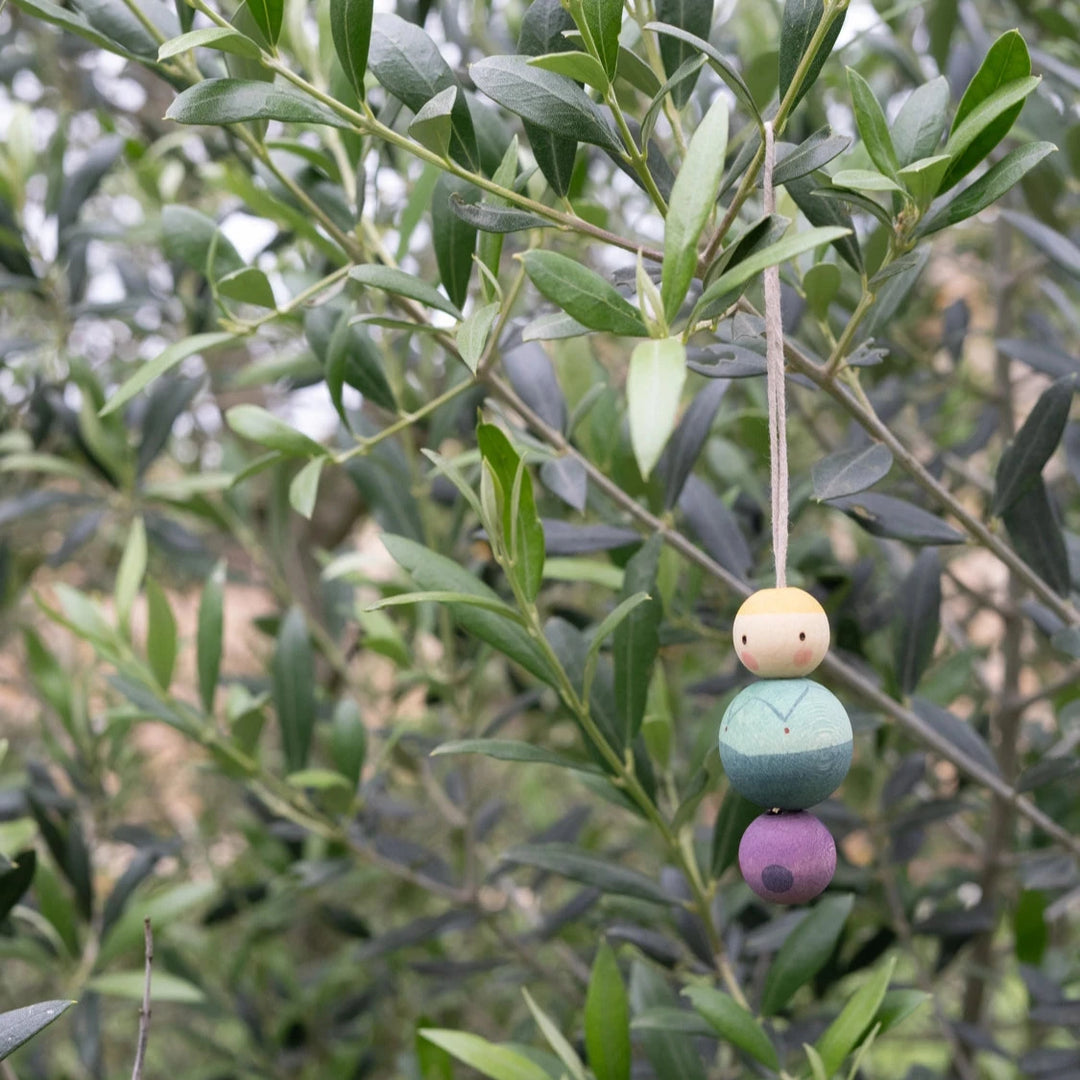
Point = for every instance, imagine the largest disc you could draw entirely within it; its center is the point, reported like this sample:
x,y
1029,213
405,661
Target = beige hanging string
x,y
774,374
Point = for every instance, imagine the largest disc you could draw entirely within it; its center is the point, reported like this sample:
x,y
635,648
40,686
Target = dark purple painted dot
x,y
777,878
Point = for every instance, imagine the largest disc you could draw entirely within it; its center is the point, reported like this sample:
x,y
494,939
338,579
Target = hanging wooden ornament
x,y
785,741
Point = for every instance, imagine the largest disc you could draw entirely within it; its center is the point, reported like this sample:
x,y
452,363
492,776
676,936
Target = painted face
x,y
785,743
787,858
781,633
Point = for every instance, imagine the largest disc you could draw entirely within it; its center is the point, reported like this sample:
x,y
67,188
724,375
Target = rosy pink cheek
x,y
803,656
748,659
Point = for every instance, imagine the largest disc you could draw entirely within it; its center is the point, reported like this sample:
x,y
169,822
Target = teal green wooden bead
x,y
785,743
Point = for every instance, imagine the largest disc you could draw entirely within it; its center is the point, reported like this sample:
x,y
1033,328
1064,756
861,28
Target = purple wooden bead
x,y
788,858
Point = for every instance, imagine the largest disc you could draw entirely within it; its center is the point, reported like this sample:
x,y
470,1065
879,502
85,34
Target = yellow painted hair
x,y
789,601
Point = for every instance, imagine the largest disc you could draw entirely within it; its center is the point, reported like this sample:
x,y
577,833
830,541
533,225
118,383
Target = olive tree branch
x,y
855,402
622,768
368,125
833,10
843,342
637,155
841,672
568,222
644,12
364,445
627,779
294,304
500,324
144,1012
145,21
634,154
580,708
291,803
348,244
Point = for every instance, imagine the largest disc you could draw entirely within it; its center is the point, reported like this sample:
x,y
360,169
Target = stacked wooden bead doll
x,y
785,742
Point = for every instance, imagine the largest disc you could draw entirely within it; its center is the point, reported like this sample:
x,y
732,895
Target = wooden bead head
x,y
781,633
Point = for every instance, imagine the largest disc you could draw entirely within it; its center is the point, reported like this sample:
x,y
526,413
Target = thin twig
x,y
828,16
365,123
980,601
144,1012
1065,681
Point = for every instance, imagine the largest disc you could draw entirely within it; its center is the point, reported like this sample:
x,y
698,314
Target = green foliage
x,y
409,65
654,385
695,17
1021,465
850,471
808,33
496,1062
692,198
455,238
1006,63
164,362
350,24
293,675
20,1025
637,637
582,294
601,21
607,1019
398,283
210,639
550,101
220,38
515,521
805,951
232,101
574,863
848,1029
734,1023
542,28
873,127
918,619
451,356
348,741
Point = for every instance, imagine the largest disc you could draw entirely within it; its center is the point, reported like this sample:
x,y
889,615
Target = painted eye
x,y
744,639
802,636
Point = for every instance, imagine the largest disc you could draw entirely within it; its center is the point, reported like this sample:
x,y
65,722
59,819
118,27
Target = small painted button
x,y
785,743
781,633
787,858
